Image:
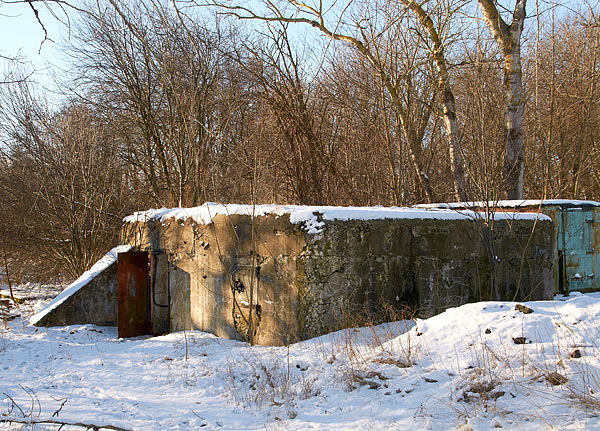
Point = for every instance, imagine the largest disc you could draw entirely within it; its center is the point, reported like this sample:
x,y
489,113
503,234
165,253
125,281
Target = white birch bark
x,y
508,38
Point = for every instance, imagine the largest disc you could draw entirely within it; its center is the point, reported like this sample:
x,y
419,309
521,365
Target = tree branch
x,y
499,28
63,423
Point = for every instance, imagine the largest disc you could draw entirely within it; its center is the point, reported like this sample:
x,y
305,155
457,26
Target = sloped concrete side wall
x,y
353,272
95,303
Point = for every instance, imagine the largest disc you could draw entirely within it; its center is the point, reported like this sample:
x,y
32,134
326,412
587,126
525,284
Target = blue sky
x,y
21,33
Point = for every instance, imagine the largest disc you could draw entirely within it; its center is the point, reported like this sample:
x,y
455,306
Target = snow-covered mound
x,y
107,260
310,215
482,366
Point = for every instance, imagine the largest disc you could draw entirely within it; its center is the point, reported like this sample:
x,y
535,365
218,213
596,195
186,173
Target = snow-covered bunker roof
x,y
516,204
312,216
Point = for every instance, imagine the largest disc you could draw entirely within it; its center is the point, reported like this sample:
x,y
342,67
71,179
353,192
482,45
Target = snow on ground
x,y
460,370
312,216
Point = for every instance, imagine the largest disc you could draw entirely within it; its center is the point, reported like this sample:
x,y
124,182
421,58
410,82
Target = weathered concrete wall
x,y
363,270
95,303
576,236
353,271
211,270
159,295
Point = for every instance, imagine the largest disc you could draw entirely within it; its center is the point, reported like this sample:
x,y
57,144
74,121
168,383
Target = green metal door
x,y
576,240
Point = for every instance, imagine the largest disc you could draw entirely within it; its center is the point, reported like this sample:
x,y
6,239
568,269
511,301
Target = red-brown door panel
x,y
133,315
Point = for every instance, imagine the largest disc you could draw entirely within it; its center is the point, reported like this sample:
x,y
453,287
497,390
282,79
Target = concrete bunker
x,y
576,240
279,274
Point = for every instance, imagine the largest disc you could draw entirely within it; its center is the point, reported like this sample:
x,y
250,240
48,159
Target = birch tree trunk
x,y
448,100
508,38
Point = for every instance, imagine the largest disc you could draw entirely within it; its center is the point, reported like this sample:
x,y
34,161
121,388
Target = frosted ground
x,y
462,369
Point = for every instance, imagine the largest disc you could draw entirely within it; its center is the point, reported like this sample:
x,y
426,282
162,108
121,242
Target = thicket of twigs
x,y
166,106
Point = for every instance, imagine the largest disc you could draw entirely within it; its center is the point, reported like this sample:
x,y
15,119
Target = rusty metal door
x,y
133,316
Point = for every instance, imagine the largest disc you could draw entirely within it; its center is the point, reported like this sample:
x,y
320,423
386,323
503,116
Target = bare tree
x,y
565,154
508,37
404,140
299,127
62,184
156,75
357,36
479,91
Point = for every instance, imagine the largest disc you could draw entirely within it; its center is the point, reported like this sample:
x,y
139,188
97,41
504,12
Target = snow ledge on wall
x,y
107,260
312,216
510,204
